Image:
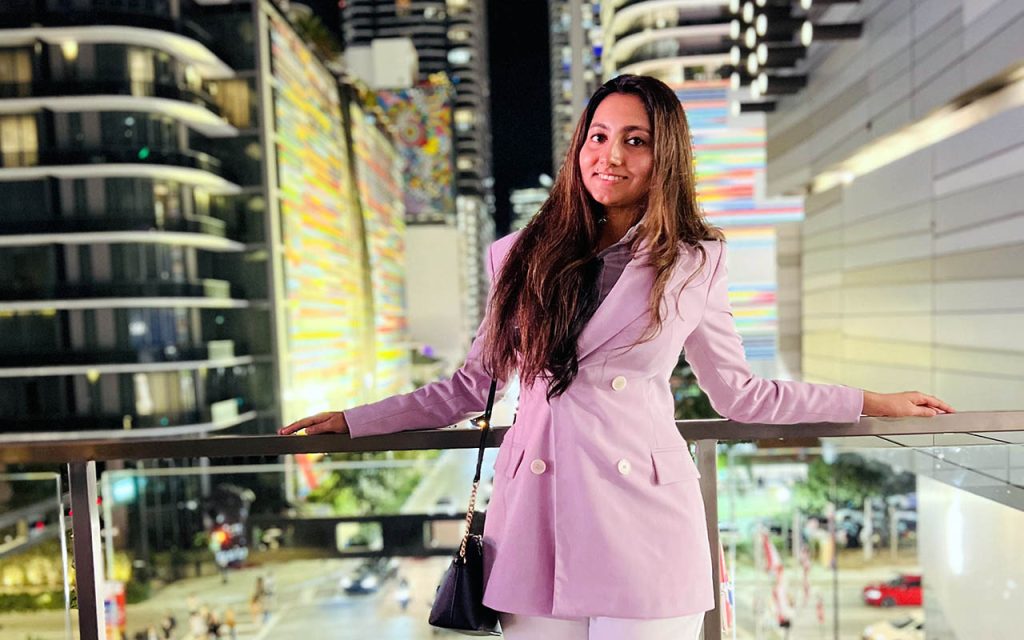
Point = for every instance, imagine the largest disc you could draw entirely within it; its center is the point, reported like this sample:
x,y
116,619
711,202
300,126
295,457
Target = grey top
x,y
614,259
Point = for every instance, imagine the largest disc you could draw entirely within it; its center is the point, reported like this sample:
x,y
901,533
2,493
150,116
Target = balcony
x,y
22,14
120,289
142,24
202,294
109,87
198,232
652,44
187,166
205,225
218,350
970,456
114,154
112,424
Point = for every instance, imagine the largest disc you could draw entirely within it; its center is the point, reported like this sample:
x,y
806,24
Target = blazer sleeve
x,y
715,352
434,405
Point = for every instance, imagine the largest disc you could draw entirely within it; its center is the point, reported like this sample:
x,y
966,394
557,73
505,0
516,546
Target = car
x,y
907,628
445,505
904,590
369,576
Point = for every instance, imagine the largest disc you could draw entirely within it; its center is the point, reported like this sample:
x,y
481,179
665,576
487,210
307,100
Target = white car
x,y
445,505
907,628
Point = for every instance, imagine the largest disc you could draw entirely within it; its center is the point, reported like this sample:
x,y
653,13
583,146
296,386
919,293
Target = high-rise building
x,y
526,203
131,298
449,36
674,41
689,45
576,48
189,231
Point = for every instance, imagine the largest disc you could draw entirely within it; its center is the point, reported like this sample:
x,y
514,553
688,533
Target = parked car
x,y
904,590
908,628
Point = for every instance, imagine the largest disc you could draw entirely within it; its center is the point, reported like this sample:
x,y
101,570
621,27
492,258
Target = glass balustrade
x,y
36,575
879,530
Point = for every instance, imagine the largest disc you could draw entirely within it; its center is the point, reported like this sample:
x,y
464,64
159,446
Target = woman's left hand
x,y
908,403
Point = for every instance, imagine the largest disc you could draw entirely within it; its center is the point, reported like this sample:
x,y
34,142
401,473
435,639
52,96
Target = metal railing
x,y
81,457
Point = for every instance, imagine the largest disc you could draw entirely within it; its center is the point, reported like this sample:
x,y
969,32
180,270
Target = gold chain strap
x,y
469,522
482,423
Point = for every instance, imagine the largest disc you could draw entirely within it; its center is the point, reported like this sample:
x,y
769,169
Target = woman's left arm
x,y
715,352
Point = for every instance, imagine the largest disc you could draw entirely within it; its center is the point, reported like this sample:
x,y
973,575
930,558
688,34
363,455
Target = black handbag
x,y
459,603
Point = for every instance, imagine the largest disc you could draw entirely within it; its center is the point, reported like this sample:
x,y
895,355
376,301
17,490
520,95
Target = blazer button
x,y
619,383
538,467
624,467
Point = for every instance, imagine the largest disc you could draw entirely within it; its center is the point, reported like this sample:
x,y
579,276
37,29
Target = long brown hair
x,y
546,290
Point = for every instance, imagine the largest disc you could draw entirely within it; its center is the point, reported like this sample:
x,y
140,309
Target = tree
x,y
847,481
313,31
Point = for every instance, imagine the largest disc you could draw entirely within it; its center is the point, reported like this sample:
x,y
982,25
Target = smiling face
x,y
618,156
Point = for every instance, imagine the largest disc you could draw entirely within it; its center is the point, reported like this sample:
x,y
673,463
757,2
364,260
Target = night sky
x,y
520,98
518,32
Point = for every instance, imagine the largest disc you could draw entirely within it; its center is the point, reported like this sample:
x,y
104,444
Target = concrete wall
x,y
913,274
435,288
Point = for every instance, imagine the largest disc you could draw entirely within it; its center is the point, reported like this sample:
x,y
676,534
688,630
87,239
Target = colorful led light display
x,y
730,165
730,161
379,181
325,285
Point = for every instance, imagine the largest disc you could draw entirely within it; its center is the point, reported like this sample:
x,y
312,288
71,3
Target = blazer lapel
x,y
628,300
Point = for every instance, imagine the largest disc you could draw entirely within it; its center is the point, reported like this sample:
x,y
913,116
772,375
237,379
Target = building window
x,y
234,98
464,119
15,73
19,143
141,71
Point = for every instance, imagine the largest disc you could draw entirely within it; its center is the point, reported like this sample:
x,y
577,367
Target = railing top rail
x,y
51,451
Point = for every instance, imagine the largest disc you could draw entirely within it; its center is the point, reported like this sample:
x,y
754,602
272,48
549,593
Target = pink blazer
x,y
596,509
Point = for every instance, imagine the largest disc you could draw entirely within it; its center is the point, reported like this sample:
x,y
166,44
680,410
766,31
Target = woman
x,y
596,527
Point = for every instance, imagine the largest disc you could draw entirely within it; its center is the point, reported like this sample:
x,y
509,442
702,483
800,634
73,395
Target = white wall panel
x,y
1002,165
897,249
913,274
981,141
978,295
904,327
913,218
887,299
982,235
928,14
977,392
986,203
989,330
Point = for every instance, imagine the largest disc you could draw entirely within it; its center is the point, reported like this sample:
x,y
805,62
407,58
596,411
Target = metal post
x,y
707,464
85,523
108,520
64,559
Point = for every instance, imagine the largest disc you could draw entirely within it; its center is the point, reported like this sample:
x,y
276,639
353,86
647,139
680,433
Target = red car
x,y
904,590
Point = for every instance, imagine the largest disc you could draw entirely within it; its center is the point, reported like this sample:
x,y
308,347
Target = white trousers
x,y
517,627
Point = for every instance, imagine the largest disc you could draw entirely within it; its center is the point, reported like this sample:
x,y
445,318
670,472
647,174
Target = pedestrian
x,y
403,594
167,625
192,603
231,622
197,627
596,528
258,602
212,625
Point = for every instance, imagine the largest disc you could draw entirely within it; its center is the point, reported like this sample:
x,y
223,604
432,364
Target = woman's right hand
x,y
326,422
